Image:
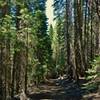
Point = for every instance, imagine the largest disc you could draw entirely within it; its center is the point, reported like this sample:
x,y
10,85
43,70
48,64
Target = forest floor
x,y
62,89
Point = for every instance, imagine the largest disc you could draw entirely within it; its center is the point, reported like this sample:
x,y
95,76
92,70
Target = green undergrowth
x,y
93,76
91,87
94,71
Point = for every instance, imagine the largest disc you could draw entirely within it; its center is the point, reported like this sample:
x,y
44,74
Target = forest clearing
x,y
49,49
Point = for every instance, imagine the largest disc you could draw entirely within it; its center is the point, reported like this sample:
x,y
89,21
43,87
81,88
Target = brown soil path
x,y
63,90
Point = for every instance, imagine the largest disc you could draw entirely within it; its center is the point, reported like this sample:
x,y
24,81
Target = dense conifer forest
x,y
42,61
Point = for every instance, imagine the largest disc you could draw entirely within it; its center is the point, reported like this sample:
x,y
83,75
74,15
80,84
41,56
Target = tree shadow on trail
x,y
61,90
